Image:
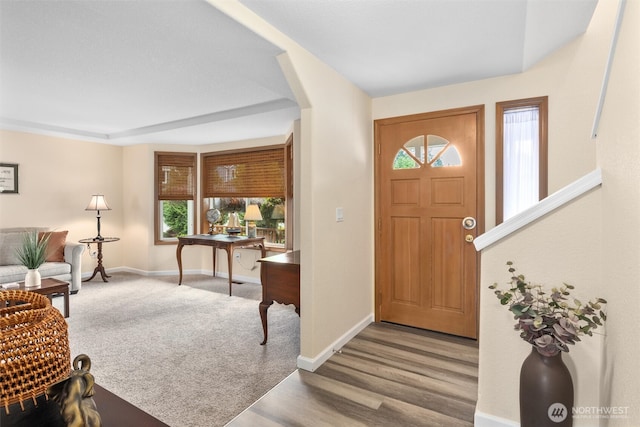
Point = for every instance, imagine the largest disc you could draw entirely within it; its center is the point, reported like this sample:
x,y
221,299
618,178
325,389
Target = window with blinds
x,y
233,180
175,193
258,173
176,176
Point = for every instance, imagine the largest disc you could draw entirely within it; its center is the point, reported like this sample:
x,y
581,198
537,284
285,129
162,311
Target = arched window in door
x,y
433,150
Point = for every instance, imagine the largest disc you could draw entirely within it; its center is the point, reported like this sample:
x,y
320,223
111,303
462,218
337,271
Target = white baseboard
x,y
480,419
311,364
223,275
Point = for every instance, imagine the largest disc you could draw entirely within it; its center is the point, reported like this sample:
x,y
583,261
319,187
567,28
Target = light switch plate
x,y
339,215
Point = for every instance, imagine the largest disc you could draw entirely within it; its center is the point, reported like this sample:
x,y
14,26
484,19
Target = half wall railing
x,y
542,208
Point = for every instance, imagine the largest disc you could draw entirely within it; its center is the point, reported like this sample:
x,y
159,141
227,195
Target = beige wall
x,y
619,158
591,243
336,169
137,207
125,176
571,77
57,177
569,245
562,247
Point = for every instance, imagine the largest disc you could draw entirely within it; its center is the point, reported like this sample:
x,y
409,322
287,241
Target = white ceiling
x,y
180,71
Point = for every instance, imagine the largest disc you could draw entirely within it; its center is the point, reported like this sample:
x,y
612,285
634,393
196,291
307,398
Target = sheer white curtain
x,y
520,160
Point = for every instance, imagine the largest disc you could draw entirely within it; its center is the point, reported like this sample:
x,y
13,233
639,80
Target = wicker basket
x,y
34,346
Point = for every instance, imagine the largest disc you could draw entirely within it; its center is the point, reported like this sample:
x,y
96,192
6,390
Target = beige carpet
x,y
189,355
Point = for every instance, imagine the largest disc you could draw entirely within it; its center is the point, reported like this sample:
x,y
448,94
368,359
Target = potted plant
x,y
32,254
550,321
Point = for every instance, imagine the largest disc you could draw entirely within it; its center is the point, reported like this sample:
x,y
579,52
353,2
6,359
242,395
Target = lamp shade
x,y
97,203
252,213
278,212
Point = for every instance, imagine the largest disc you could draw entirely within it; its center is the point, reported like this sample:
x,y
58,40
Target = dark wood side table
x,y
114,412
219,241
99,268
280,277
49,287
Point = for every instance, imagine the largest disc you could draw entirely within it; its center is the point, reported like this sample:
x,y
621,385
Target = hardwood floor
x,y
387,375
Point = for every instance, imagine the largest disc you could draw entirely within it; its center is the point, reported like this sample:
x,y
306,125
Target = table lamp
x,y
278,212
98,203
252,214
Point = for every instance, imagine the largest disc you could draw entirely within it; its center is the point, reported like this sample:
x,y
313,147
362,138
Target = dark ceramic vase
x,y
546,391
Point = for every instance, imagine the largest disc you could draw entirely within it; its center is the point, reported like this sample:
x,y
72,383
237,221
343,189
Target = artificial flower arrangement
x,y
549,321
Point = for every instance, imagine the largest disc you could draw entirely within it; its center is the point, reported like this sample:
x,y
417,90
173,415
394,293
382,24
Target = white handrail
x,y
605,79
543,207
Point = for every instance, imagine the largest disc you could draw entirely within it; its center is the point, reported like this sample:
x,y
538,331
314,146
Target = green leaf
x,y
32,253
519,309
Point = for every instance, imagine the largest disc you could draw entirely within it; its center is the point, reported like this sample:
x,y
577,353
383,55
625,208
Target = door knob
x,y
469,223
468,238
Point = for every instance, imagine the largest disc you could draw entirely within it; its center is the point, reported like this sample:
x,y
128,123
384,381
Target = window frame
x,y
288,183
158,240
542,103
287,153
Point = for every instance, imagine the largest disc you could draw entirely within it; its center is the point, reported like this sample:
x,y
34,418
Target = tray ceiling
x,y
181,71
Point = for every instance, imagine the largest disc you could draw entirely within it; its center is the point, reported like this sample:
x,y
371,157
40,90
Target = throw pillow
x,y
9,243
55,245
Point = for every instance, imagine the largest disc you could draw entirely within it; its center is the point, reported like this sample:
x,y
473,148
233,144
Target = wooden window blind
x,y
256,173
176,176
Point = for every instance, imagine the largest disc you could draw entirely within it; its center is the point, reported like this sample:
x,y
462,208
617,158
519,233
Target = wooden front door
x,y
429,194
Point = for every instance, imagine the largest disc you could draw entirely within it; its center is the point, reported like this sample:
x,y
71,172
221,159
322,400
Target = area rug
x,y
189,355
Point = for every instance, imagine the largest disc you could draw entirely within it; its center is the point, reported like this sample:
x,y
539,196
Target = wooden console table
x,y
280,276
219,241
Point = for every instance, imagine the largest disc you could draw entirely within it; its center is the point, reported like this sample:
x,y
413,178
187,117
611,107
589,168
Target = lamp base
x,y
251,230
233,231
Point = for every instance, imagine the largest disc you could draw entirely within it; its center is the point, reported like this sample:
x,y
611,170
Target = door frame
x,y
480,183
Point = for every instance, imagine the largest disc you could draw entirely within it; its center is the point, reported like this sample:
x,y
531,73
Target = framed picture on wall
x,y
8,178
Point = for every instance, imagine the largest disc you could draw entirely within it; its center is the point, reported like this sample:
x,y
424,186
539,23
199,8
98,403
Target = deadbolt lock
x,y
468,238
